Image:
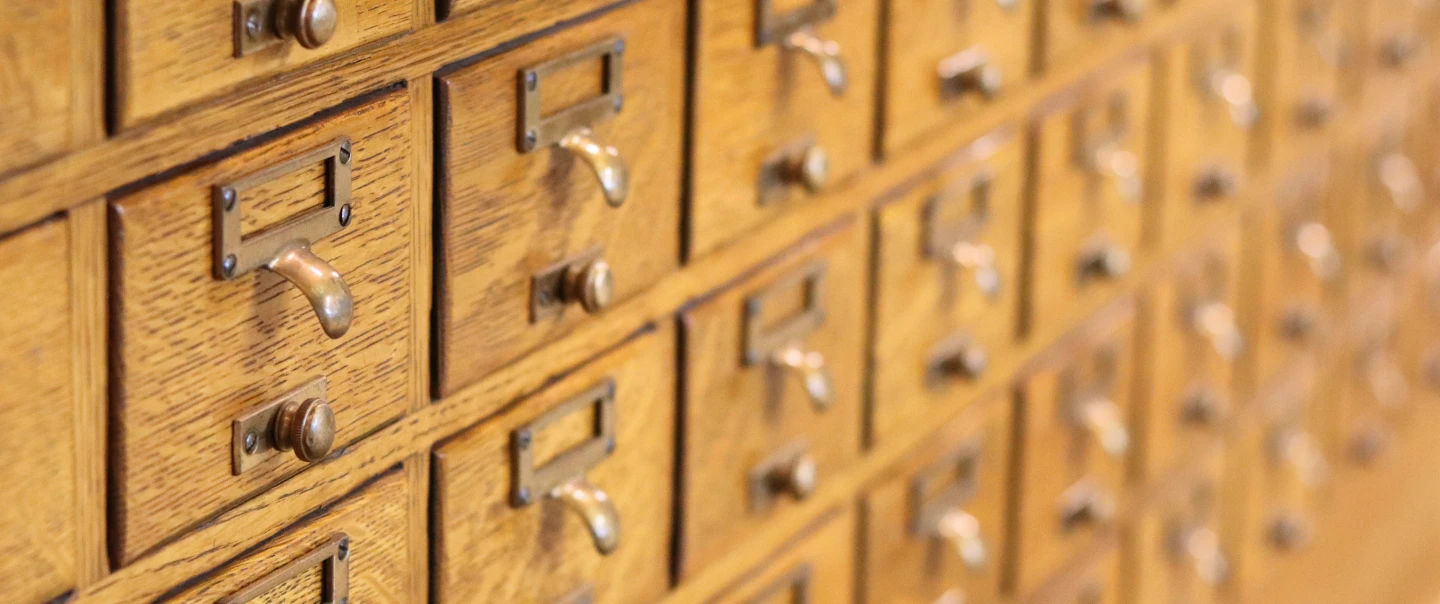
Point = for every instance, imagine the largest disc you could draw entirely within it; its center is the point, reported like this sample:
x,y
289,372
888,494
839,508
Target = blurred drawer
x,y
772,378
1308,47
947,60
563,199
783,104
1211,108
38,416
817,567
1099,581
1193,343
1176,551
1387,197
1377,391
1074,445
947,286
1393,49
50,82
575,480
171,54
1070,29
217,356
358,550
935,530
1090,146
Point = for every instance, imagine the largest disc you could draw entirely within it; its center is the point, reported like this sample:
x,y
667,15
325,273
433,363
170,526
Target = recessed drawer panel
x,y
355,550
947,60
559,186
1090,147
1177,550
575,480
771,393
935,530
170,54
819,567
784,100
49,95
264,316
1070,29
1075,445
947,286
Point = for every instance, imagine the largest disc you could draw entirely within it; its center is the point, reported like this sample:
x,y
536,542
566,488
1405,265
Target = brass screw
x,y
229,197
345,153
523,495
522,439
343,550
253,26
532,81
531,138
345,215
251,441
227,265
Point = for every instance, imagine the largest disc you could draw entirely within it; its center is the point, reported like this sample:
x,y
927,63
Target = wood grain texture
x,y
51,88
506,215
751,101
824,556
170,54
487,550
903,567
89,270
736,415
922,302
250,340
1067,31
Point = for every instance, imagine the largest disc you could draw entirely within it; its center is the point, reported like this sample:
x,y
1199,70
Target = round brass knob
x,y
593,286
799,478
1105,262
969,362
308,428
811,168
313,22
1290,531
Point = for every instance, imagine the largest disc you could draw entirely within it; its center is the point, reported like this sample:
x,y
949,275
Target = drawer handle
x,y
1298,450
262,24
1216,321
810,366
1201,545
1085,504
957,357
970,71
604,160
570,128
824,53
776,343
938,495
1370,442
1103,261
301,421
1238,93
1203,407
979,259
791,471
595,508
585,280
1124,10
285,250
1290,531
1299,324
1387,251
333,560
1102,417
962,530
1216,182
1122,167
1402,181
1314,242
1401,49
1314,113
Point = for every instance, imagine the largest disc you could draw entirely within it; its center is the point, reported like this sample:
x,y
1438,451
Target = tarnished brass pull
x,y
1236,91
967,361
603,159
791,471
1103,261
1102,417
307,428
810,366
595,509
1203,407
1313,113
810,168
979,259
1121,166
262,24
824,53
1201,545
1290,531
1314,242
970,71
1299,324
323,285
1369,442
1401,179
798,478
1216,182
301,421
1401,49
962,530
1086,504
1216,321
1125,10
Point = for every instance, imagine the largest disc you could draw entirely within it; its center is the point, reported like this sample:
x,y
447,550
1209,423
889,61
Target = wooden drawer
x,y
772,377
556,483
935,529
532,240
1306,45
1391,51
1193,344
201,361
949,60
1211,108
819,566
356,550
1069,29
1074,445
947,286
50,95
1089,146
1388,197
1176,551
171,54
774,125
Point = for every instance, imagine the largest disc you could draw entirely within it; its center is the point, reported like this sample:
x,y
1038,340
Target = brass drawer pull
x,y
1314,113
570,128
1401,50
969,71
794,31
791,471
1298,450
802,163
1401,179
1216,321
1290,531
956,357
1201,546
285,249
1102,417
1203,407
810,366
301,421
1314,242
778,342
1216,182
585,280
263,24
825,54
962,530
943,515
595,508
1086,503
1123,10
1238,93
1103,261
333,559
1121,166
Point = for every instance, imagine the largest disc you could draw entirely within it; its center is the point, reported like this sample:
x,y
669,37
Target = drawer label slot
x,y
333,559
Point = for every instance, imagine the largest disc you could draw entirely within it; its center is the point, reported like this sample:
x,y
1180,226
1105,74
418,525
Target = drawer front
x,y
935,531
1212,107
170,54
37,416
575,480
1393,48
358,550
947,286
771,393
1176,551
819,568
1075,446
536,237
1376,398
774,124
46,95
946,60
1090,148
1391,197
1309,48
1194,341
1073,28
1099,583
204,361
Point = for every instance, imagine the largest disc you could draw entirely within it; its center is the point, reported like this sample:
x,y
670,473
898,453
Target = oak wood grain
x,y
820,563
51,90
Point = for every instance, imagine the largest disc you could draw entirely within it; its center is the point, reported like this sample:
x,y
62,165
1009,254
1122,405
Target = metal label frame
x,y
796,582
529,482
942,235
537,131
771,27
962,466
760,342
333,558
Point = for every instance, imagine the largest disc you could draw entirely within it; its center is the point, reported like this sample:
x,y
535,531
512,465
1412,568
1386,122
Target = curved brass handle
x,y
1122,166
979,258
825,54
1238,93
810,365
595,508
962,529
323,285
1202,546
1401,179
604,160
1216,320
1102,417
1314,242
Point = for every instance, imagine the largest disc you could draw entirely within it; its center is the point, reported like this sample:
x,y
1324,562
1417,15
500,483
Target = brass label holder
x,y
772,27
961,468
333,559
237,254
941,234
528,482
251,439
538,131
795,583
760,342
